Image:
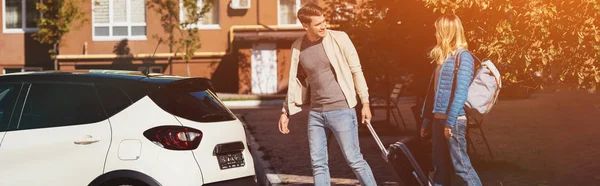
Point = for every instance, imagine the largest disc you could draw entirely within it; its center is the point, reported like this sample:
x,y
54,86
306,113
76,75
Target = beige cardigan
x,y
346,64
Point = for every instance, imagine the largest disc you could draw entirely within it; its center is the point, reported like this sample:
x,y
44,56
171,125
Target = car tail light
x,y
174,137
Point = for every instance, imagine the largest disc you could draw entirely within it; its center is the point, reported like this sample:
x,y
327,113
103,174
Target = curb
x,y
270,177
279,102
253,103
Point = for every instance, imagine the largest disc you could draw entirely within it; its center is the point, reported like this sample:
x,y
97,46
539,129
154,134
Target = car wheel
x,y
125,182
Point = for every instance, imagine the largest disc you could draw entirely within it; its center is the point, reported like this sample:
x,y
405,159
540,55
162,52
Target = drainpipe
x,y
174,55
137,56
234,28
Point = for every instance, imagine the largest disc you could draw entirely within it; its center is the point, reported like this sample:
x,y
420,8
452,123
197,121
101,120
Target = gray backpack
x,y
484,90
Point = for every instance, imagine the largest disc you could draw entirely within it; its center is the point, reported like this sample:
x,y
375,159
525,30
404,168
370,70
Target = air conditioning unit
x,y
240,4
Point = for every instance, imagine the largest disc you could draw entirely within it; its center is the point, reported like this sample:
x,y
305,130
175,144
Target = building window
x,y
119,19
20,16
152,69
287,12
26,69
210,20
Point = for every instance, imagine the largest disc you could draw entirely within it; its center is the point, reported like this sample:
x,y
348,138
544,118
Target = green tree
x,y
59,17
392,38
182,34
560,39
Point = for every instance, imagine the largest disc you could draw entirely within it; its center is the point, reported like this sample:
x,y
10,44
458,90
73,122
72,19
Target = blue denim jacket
x,y
442,96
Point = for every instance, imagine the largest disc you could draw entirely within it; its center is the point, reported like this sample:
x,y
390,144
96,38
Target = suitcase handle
x,y
384,151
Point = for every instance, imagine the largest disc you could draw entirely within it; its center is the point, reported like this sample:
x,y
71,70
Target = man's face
x,y
316,27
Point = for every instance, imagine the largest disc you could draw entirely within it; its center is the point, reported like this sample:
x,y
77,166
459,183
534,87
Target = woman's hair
x,y
450,36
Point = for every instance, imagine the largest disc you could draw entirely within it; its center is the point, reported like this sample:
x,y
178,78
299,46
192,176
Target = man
x,y
325,64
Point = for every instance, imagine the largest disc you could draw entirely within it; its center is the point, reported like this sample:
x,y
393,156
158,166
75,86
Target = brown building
x,y
245,43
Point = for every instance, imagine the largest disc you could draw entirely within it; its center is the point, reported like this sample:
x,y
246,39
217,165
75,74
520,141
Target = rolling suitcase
x,y
408,159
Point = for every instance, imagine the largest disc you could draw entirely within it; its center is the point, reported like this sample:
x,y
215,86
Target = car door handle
x,y
88,140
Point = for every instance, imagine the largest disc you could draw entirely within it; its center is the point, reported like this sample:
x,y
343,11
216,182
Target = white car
x,y
118,128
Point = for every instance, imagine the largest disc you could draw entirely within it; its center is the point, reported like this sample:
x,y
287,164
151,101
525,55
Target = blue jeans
x,y
344,126
451,162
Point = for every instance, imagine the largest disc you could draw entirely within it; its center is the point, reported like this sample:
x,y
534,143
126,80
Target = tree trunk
x,y
171,58
187,66
171,40
56,55
187,58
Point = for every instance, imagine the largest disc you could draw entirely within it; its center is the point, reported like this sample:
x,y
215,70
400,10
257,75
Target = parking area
x,y
548,139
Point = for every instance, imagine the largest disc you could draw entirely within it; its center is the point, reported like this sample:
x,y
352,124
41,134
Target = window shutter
x,y
212,16
101,11
138,11
14,16
287,11
119,11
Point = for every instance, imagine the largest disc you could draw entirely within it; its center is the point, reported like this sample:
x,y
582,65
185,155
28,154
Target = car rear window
x,y
8,98
113,99
192,100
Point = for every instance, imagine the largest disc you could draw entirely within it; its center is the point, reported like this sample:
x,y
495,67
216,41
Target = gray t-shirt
x,y
325,92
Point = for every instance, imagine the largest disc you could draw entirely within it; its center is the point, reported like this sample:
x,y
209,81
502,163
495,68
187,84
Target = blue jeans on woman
x,y
344,125
451,162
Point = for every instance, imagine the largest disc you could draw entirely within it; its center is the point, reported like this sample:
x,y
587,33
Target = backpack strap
x,y
455,74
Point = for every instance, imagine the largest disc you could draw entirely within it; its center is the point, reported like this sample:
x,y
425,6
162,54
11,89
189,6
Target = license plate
x,y
232,160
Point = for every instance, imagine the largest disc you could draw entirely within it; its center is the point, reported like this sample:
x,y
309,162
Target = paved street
x,y
549,139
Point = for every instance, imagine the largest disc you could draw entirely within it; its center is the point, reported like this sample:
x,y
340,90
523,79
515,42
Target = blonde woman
x,y
443,113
